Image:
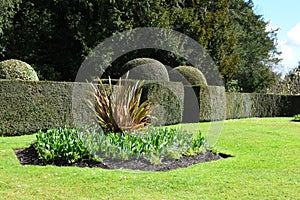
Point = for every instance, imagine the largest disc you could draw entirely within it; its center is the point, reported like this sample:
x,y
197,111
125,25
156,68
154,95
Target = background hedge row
x,y
215,104
28,106
244,105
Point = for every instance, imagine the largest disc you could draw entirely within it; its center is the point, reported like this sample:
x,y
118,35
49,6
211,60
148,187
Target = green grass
x,y
266,165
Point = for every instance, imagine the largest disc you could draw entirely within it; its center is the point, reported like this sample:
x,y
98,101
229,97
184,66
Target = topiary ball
x,y
16,69
146,69
188,75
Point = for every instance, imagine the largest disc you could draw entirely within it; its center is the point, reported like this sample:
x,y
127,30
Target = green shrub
x,y
188,75
153,144
16,69
120,109
146,69
297,117
167,100
60,145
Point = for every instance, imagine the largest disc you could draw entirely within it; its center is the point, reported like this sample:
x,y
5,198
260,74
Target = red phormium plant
x,y
119,108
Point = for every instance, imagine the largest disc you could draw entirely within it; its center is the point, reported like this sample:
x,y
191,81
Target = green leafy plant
x,y
119,109
152,144
60,145
65,145
297,117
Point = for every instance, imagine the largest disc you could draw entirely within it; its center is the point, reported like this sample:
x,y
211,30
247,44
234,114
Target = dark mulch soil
x,y
295,120
29,156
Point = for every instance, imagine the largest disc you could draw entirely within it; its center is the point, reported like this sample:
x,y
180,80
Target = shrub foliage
x,y
190,75
146,69
16,69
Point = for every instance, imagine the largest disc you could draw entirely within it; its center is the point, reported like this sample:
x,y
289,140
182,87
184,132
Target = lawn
x,y
266,165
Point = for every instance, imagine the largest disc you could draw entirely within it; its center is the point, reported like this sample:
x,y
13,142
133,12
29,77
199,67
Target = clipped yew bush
x,y
146,69
188,75
16,69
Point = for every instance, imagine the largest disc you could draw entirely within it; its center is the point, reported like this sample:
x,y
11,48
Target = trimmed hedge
x,y
214,103
244,105
27,106
188,75
17,69
146,69
167,100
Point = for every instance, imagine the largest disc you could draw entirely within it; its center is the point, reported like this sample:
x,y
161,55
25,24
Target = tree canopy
x,y
256,47
56,35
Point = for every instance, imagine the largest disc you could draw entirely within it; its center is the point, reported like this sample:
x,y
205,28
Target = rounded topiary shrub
x,y
188,75
16,69
146,69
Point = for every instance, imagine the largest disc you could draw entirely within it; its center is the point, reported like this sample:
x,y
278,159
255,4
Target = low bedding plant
x,y
124,131
60,145
154,145
297,118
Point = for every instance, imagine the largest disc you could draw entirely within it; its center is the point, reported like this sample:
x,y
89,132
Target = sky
x,y
285,15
